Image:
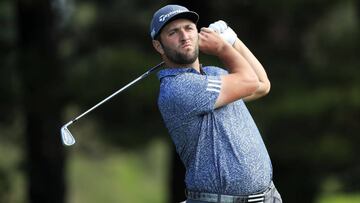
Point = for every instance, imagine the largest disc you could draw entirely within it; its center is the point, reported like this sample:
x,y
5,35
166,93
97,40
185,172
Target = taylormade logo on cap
x,y
166,13
163,17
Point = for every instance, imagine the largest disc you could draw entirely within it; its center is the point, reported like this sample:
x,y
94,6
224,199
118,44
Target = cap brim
x,y
190,15
186,15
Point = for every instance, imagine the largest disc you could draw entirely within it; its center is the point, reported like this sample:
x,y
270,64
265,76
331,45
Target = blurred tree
x,y
41,77
7,74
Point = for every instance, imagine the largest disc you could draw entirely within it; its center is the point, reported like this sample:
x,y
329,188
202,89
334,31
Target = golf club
x,y
66,136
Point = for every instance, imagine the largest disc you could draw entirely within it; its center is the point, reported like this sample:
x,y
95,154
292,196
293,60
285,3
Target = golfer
x,y
204,111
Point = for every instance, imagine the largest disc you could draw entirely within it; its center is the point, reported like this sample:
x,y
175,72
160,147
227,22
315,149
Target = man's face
x,y
179,40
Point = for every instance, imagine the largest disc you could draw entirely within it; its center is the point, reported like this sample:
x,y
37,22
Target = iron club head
x,y
66,135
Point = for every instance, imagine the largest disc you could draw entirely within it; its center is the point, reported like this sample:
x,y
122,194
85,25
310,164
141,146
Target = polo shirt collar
x,y
174,71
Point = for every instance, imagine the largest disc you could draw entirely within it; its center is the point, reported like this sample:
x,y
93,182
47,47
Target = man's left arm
x,y
264,83
230,36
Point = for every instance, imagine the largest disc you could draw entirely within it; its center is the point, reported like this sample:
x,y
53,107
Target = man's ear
x,y
157,45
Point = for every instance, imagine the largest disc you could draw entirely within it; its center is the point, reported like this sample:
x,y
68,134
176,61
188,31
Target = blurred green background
x,y
60,57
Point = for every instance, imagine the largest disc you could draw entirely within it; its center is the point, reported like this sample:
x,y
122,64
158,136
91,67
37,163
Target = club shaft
x,y
117,92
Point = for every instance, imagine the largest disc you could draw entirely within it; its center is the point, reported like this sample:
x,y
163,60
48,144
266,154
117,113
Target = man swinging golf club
x,y
204,111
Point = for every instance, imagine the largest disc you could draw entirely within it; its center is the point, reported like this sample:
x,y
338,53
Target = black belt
x,y
211,197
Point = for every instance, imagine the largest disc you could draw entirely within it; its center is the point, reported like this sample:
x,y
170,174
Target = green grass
x,y
340,198
133,177
12,177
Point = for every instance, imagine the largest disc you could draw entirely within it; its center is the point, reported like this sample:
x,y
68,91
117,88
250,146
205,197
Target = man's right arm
x,y
241,81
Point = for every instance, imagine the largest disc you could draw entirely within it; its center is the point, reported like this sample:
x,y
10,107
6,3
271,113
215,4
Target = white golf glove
x,y
224,30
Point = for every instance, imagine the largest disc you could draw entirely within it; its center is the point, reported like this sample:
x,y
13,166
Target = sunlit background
x,y
60,57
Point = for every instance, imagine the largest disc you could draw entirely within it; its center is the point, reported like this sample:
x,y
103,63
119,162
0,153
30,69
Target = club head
x,y
66,135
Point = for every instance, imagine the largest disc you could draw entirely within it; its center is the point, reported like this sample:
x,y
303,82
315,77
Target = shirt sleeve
x,y
196,94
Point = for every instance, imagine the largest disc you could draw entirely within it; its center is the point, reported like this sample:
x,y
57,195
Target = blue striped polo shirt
x,y
222,149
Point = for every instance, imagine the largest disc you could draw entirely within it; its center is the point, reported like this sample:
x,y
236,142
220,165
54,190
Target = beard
x,y
181,58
